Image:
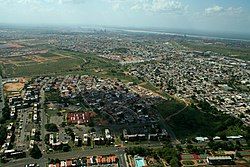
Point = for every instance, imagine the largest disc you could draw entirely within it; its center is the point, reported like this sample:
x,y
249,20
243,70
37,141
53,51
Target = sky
x,y
205,15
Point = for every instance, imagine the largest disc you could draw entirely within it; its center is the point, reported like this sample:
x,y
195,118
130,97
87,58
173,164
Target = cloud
x,y
162,6
218,10
214,9
153,6
117,4
42,1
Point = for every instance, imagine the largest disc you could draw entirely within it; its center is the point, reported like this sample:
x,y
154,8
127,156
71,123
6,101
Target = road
x,y
24,118
1,96
69,155
123,161
43,117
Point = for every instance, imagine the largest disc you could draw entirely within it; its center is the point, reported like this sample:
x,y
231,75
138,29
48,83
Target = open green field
x,y
187,156
235,52
60,62
39,65
33,69
244,153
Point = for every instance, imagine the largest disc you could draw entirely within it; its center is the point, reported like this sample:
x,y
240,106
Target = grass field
x,y
203,156
53,63
51,112
59,62
244,153
187,157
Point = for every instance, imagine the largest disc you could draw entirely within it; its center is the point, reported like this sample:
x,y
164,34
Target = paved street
x,y
1,96
24,123
68,155
43,117
120,152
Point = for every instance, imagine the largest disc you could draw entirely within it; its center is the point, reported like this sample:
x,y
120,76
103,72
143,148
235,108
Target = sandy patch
x,y
15,87
37,59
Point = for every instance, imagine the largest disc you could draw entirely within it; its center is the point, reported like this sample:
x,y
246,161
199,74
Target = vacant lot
x,y
59,62
15,87
49,63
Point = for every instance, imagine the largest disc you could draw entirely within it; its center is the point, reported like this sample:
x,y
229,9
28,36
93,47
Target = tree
x,y
5,113
51,128
92,130
139,151
1,71
238,154
168,153
37,136
91,123
190,147
3,134
35,152
46,138
66,148
174,162
53,95
70,132
179,148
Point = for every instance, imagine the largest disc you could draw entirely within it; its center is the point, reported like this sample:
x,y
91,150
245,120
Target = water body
x,y
225,36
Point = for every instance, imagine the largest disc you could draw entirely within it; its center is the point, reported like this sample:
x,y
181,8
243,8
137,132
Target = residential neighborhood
x,y
107,97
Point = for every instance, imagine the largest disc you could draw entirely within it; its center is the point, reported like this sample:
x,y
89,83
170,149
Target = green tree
x,y
51,127
91,123
35,152
92,130
66,148
174,162
3,134
168,153
179,148
70,132
1,70
5,113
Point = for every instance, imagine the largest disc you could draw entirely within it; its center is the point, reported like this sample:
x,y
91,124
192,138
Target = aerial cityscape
x,y
136,85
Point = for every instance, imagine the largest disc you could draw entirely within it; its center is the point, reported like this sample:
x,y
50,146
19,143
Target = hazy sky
x,y
213,15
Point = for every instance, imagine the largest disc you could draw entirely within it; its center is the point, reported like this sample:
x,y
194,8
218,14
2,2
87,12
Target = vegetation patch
x,y
193,122
187,162
167,108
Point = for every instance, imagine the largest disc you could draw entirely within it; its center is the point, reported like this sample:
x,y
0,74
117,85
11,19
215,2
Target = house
x,y
219,160
107,134
234,137
78,118
201,139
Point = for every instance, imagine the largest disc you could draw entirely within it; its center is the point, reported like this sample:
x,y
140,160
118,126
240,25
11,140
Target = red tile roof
x,y
79,118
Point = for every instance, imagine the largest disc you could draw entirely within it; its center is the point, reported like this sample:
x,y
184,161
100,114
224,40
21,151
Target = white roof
x,y
220,158
201,138
234,137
